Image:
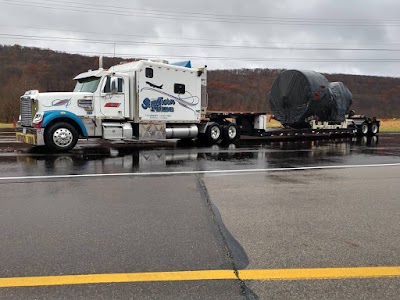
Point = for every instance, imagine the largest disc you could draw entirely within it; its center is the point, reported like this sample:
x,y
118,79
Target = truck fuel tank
x,y
182,131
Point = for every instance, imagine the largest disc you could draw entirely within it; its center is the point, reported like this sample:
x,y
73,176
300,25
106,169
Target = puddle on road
x,y
188,157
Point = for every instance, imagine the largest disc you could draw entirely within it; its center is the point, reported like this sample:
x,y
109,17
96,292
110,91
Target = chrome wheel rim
x,y
232,132
62,137
374,128
364,128
215,132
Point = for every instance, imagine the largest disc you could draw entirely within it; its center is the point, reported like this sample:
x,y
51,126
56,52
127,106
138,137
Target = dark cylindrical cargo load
x,y
296,95
343,100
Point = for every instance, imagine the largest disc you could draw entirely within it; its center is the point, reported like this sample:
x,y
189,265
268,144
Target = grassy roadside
x,y
390,125
6,125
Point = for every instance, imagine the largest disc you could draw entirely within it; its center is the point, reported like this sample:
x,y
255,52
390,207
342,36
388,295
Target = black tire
x,y
230,132
60,137
213,133
374,141
373,128
364,140
364,128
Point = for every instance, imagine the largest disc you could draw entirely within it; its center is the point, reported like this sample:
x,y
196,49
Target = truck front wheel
x,y
60,137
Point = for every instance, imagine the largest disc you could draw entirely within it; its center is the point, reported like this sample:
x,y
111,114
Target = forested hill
x,y
24,68
248,90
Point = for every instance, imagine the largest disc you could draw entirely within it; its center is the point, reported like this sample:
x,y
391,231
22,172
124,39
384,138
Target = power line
x,y
252,17
174,45
125,11
205,14
250,59
189,39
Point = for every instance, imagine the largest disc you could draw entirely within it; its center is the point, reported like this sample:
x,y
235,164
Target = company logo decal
x,y
159,106
60,102
154,86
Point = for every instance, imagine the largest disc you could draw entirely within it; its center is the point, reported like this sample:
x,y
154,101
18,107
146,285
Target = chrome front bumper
x,y
29,135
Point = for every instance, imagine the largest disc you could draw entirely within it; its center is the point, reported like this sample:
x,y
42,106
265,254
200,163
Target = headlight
x,y
37,119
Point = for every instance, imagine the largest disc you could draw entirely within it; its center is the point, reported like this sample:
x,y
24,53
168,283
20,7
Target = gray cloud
x,y
74,27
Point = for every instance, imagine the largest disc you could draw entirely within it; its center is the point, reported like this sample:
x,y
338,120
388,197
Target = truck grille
x,y
26,111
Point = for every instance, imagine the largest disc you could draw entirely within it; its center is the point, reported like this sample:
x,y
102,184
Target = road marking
x,y
319,273
117,278
274,274
198,172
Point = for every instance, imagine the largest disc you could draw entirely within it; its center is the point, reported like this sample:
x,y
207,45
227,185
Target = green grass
x,y
6,125
390,125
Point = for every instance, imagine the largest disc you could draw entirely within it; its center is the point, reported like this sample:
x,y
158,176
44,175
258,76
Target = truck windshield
x,y
87,84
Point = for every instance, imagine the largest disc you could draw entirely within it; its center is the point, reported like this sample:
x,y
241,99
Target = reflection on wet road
x,y
170,237
188,157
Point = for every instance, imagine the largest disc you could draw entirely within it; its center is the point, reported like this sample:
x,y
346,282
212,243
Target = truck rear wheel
x,y
213,133
230,132
61,137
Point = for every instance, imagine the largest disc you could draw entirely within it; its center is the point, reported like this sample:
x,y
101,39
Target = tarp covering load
x,y
343,99
296,95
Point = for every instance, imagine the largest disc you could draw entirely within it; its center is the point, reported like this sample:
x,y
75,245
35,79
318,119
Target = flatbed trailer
x,y
254,126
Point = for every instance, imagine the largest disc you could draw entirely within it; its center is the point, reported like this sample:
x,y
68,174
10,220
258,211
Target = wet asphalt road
x,y
323,218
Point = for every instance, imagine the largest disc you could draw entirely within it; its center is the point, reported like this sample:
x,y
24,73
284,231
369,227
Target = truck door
x,y
113,96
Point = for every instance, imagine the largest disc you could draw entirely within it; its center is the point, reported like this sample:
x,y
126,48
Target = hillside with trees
x,y
25,68
247,90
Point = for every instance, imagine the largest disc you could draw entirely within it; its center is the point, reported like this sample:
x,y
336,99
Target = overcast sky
x,y
333,36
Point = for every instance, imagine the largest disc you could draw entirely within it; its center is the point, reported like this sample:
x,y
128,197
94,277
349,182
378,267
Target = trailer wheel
x,y
374,140
364,128
213,133
60,137
364,141
230,132
374,128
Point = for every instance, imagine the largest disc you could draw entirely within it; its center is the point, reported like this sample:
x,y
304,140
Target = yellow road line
x,y
118,277
274,274
319,273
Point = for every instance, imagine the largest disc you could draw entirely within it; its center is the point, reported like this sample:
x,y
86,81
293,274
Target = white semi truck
x,y
146,100
142,100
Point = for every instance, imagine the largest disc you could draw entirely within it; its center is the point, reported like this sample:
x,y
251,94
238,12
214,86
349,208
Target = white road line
x,y
197,172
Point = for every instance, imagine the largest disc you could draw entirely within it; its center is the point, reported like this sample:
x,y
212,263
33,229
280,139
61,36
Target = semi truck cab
x,y
138,100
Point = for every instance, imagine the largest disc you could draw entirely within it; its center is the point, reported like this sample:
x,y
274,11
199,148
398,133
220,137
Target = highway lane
x,y
327,218
111,226
314,219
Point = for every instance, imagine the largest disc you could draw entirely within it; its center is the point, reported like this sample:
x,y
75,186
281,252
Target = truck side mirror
x,y
114,85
